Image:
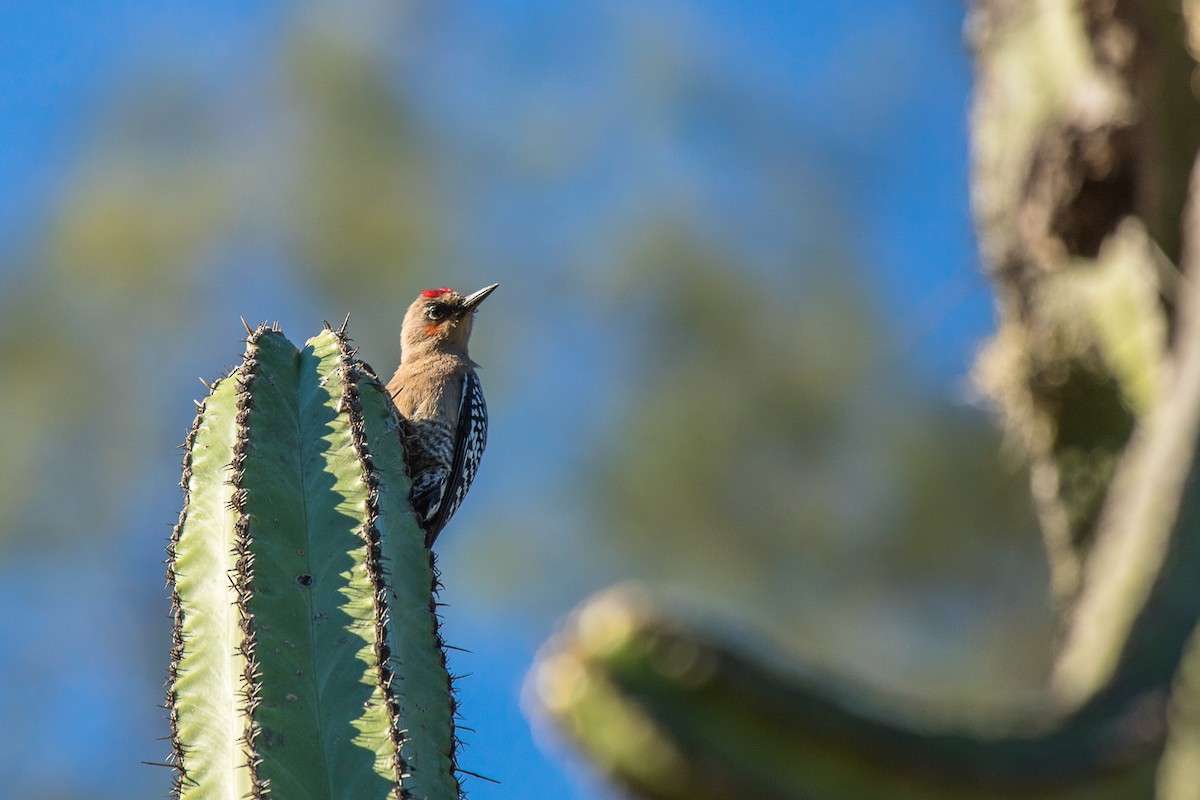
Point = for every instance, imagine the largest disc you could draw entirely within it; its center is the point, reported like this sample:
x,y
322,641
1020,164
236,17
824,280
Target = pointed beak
x,y
471,301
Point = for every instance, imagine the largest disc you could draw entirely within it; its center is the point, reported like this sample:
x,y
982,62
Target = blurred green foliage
x,y
776,463
767,401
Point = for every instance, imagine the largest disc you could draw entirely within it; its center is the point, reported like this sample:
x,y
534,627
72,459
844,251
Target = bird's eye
x,y
435,312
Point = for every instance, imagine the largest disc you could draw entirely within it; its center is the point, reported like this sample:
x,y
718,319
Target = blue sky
x,y
869,99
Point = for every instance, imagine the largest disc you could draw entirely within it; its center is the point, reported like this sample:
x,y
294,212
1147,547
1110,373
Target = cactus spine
x,y
307,661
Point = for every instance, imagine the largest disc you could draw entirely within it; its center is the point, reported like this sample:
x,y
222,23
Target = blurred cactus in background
x,y
307,661
1087,192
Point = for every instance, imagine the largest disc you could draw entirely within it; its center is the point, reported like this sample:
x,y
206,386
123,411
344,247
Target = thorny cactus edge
x,y
306,661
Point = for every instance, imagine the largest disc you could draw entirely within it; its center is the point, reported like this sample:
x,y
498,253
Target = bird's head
x,y
440,319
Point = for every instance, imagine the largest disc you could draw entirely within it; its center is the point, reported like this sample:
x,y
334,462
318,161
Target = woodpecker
x,y
443,418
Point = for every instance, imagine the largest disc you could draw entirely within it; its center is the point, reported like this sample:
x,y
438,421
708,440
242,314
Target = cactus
x,y
307,661
671,712
1086,188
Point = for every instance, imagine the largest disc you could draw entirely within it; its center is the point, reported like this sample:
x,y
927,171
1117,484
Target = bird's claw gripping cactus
x,y
307,661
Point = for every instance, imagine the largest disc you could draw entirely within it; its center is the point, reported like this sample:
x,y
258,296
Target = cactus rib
x,y
204,681
370,479
421,685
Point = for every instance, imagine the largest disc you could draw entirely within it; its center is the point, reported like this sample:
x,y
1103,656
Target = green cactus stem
x,y
671,714
307,661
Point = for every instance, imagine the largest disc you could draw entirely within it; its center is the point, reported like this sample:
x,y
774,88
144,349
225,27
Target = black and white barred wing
x,y
470,438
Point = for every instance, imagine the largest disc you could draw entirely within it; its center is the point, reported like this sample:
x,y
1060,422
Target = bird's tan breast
x,y
429,388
